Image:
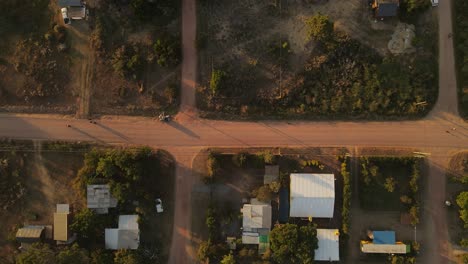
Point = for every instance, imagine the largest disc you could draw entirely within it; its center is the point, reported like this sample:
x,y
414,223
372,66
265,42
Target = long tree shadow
x,y
183,129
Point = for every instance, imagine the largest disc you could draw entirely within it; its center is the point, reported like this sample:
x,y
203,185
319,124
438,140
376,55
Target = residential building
x,y
312,195
99,198
126,236
256,224
328,245
384,242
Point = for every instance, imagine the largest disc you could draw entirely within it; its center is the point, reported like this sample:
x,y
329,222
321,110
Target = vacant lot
x,y
123,59
258,60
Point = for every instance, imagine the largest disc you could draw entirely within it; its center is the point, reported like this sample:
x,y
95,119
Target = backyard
x,y
328,59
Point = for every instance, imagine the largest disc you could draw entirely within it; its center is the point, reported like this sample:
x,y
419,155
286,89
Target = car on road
x,y
66,19
159,206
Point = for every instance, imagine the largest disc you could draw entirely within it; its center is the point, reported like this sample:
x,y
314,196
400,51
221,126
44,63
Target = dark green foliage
x,y
212,223
396,259
217,81
88,225
345,212
101,256
23,15
462,202
228,259
73,255
239,159
167,50
38,253
292,244
461,49
264,193
128,172
127,61
211,252
154,11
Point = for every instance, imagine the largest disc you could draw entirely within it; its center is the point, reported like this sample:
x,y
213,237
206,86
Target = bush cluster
x,y
345,215
461,48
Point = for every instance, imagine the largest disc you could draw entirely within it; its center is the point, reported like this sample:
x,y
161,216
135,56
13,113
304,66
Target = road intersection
x,y
442,133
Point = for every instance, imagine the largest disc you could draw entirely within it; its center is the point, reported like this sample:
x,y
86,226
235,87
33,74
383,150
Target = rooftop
x,y
328,245
312,195
126,236
98,197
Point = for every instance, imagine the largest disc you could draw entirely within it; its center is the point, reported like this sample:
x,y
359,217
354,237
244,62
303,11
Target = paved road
x,y
186,135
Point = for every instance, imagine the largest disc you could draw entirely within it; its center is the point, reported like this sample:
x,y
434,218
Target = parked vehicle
x,y
159,206
65,17
435,2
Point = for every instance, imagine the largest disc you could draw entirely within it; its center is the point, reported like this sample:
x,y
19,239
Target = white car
x,y
66,19
435,2
159,206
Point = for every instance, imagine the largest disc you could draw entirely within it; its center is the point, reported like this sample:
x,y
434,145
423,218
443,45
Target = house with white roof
x,y
256,224
328,245
126,236
312,195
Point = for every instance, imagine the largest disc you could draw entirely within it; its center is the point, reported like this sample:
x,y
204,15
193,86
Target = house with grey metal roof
x,y
99,198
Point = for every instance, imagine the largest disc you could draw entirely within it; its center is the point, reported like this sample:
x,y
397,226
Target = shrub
x,y
275,186
405,199
217,81
239,159
167,51
319,27
267,156
212,166
264,193
414,214
390,184
127,61
462,202
346,197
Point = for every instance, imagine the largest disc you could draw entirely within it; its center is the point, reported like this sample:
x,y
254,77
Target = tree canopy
x,y
73,255
319,27
38,253
462,201
290,243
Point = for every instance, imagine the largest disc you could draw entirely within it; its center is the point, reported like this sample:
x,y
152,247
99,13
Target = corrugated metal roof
x,y
256,216
127,236
379,248
328,245
271,174
312,195
63,208
129,222
250,238
384,237
34,232
61,226
98,196
67,3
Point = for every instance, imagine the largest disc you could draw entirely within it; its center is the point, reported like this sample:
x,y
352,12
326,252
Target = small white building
x,y
126,236
312,195
256,221
99,198
328,245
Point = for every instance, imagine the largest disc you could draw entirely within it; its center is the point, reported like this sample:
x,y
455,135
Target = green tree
x,y
126,256
86,224
412,6
319,27
167,51
101,256
291,244
390,184
217,81
73,255
38,253
228,259
264,193
462,201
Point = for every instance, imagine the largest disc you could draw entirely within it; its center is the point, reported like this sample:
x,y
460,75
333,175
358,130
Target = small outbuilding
x,y
256,224
328,245
30,234
271,174
61,228
384,242
385,8
312,195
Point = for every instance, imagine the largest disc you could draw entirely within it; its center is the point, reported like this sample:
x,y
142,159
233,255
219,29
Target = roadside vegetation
x,y
137,45
457,193
391,184
460,14
338,77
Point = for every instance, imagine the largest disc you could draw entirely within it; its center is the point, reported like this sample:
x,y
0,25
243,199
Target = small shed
x,y
328,245
30,234
271,174
385,8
